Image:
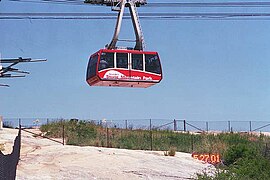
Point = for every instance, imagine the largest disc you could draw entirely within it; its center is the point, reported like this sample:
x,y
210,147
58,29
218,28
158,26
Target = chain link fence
x,y
161,124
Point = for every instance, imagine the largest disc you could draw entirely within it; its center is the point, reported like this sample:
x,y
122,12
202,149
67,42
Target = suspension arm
x,y
135,22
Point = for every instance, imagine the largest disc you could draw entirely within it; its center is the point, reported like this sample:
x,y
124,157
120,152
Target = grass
x,y
245,156
84,133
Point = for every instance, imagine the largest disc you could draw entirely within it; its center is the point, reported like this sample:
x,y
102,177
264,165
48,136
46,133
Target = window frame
x,y
157,70
108,67
127,61
92,65
143,63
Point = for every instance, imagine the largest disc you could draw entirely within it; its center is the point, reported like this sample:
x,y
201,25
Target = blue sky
x,y
213,69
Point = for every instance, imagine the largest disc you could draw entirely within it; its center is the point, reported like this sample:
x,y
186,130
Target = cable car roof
x,y
132,51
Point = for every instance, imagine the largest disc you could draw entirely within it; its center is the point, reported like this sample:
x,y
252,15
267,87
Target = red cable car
x,y
126,67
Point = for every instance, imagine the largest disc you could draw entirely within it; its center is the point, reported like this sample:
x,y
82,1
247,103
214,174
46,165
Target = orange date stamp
x,y
207,157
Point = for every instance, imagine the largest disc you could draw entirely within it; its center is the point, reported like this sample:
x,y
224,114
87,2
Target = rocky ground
x,y
45,159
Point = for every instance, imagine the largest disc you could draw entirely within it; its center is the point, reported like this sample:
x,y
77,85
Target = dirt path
x,y
44,159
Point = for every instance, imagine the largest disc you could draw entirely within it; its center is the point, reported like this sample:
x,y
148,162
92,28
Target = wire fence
x,y
137,133
9,162
173,134
160,124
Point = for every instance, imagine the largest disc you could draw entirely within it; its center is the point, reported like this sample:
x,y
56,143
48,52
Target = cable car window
x,y
92,66
122,60
152,63
137,61
106,61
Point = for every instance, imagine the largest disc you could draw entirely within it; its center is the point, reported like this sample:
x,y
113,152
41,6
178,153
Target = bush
x,y
217,175
255,168
238,152
170,152
242,161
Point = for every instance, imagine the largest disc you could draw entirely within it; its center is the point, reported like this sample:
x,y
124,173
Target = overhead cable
x,y
206,4
150,16
165,5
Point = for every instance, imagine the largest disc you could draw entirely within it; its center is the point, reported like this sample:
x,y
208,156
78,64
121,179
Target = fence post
x,y
192,142
185,128
151,135
63,134
265,151
20,131
20,123
174,125
47,121
206,126
1,122
229,126
250,127
107,137
126,124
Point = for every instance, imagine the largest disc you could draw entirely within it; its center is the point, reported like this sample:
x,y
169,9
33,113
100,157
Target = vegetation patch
x,y
170,152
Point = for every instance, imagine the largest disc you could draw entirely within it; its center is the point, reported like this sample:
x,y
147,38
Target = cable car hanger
x,y
120,7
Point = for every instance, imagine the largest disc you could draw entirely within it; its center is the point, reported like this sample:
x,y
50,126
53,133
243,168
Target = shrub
x,y
216,175
255,168
242,161
237,152
170,152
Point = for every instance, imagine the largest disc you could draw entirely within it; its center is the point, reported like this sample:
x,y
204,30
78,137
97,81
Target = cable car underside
x,y
124,67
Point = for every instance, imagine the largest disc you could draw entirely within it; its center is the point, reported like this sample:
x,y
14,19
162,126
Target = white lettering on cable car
x,y
135,77
147,78
112,74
